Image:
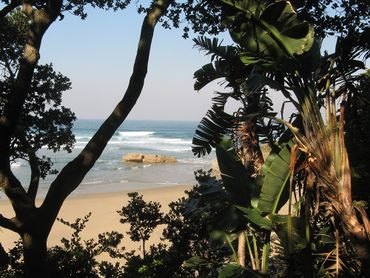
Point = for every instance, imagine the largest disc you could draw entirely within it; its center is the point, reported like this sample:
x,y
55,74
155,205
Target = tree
x,y
44,121
282,53
32,223
74,257
143,218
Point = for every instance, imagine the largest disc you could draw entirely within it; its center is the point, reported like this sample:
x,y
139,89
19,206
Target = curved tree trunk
x,y
73,173
34,224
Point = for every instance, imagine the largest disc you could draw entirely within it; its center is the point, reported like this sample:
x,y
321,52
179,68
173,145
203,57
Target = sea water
x,y
110,173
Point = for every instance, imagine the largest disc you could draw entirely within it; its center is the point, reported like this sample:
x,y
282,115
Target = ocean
x,y
110,174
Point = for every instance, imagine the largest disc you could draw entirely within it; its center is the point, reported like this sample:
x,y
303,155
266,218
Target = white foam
x,y
93,182
135,133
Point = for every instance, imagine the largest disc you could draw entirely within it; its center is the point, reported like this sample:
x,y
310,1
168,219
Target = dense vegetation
x,y
235,226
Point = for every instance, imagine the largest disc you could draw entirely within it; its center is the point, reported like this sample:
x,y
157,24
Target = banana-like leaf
x,y
237,181
246,6
269,34
197,261
274,191
254,215
234,270
214,200
290,230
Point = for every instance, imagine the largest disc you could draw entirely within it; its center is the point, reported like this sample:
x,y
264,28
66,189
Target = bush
x,y
186,233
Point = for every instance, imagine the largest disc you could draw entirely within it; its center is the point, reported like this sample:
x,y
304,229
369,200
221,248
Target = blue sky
x,y
97,54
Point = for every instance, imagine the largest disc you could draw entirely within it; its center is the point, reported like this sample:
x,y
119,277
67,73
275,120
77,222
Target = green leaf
x,y
233,271
236,178
196,261
211,130
229,220
249,7
295,236
274,191
269,34
209,73
254,215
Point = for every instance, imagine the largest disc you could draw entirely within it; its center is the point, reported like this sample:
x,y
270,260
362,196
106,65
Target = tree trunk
x,y
4,258
249,151
248,147
357,232
35,254
144,253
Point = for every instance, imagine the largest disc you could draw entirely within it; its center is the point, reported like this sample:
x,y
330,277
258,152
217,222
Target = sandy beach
x,y
104,218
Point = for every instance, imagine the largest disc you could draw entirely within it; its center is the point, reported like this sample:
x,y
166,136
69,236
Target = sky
x,y
97,54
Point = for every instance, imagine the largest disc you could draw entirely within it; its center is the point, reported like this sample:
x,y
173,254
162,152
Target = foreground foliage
x,y
185,236
309,168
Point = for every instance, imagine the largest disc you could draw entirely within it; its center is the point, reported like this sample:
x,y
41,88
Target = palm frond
x,y
210,130
225,64
210,72
221,98
215,49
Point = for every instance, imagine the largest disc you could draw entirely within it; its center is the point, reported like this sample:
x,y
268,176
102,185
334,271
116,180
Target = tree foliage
x,y
143,218
44,121
74,257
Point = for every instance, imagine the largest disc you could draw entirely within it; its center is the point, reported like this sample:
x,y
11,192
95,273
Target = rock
x,y
133,157
148,158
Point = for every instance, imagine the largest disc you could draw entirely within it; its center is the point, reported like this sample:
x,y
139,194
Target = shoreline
x,y
104,217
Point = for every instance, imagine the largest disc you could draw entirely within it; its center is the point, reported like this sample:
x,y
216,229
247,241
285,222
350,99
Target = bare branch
x,y
73,173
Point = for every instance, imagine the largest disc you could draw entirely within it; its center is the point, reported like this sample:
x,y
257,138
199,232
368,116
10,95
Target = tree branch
x,y
73,173
40,21
12,187
9,224
33,162
7,9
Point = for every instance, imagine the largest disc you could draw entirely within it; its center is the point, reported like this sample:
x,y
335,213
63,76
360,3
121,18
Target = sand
x,y
104,218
